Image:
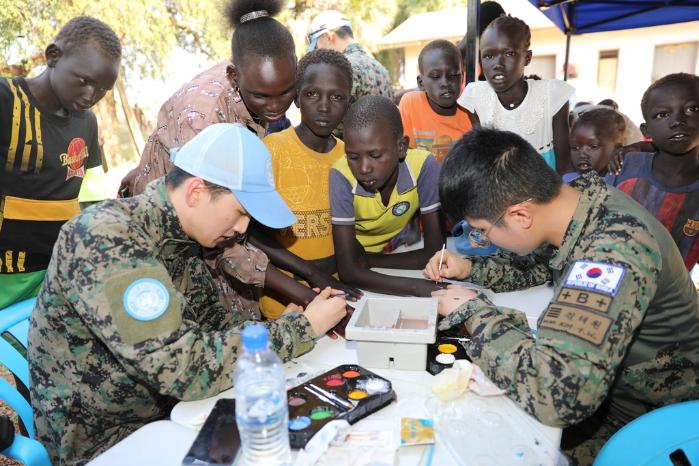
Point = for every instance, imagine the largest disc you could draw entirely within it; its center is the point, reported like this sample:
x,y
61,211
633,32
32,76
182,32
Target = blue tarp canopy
x,y
583,16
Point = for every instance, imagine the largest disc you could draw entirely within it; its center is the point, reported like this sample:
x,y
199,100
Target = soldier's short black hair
x,y
261,35
489,170
512,23
327,56
669,80
608,123
344,32
609,103
82,30
370,109
177,176
446,47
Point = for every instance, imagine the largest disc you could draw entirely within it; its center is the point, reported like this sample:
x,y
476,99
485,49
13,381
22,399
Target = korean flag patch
x,y
146,299
596,276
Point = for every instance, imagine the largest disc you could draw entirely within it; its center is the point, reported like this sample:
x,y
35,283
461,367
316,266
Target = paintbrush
x,y
332,396
321,397
441,258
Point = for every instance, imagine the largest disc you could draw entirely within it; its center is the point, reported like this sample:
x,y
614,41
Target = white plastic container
x,y
393,332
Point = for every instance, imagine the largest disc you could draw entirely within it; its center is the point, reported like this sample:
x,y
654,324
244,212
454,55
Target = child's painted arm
x,y
415,260
286,260
354,268
561,142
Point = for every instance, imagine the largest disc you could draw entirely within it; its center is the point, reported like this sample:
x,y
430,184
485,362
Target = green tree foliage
x,y
149,30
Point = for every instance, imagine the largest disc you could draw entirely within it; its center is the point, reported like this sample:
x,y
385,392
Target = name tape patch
x,y
587,325
146,299
595,276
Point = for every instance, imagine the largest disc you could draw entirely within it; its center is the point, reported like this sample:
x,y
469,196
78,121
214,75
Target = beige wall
x,y
636,52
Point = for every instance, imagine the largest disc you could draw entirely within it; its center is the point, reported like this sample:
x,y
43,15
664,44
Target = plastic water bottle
x,y
261,411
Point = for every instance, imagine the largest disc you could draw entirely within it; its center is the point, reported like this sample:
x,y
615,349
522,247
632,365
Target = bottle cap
x,y
255,337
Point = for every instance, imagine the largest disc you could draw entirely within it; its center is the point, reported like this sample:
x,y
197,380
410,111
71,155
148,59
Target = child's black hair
x,y
327,56
487,13
510,22
446,47
82,30
368,110
607,122
669,80
489,170
257,32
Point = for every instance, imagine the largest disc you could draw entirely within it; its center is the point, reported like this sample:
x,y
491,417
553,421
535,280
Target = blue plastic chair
x,y
15,320
656,438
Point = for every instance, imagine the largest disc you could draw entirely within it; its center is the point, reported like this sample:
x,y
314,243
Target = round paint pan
x,y
320,413
351,372
373,385
334,380
448,348
299,423
297,399
357,394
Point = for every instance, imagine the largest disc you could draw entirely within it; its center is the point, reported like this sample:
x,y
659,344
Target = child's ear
x,y
419,82
644,130
528,58
53,53
403,147
232,74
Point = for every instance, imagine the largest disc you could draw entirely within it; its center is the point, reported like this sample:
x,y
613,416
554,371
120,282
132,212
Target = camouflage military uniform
x,y
97,371
369,77
619,338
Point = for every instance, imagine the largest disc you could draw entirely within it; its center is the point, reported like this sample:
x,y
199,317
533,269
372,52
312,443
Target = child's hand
x,y
453,297
325,311
453,266
320,282
616,162
126,186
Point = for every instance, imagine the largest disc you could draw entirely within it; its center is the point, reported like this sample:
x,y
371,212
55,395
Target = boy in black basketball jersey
x,y
48,139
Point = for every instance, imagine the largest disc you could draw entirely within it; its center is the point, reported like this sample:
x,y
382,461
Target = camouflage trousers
x,y
582,442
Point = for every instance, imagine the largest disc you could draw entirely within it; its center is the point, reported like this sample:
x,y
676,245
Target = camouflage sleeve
x,y
129,302
563,375
508,272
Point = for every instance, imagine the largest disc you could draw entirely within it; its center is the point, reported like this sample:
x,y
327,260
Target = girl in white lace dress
x,y
537,109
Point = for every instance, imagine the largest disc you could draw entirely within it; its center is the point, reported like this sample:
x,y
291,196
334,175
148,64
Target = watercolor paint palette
x,y
347,392
442,354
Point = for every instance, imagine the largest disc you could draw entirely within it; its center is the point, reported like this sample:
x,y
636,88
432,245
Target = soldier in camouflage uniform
x,y
128,321
621,334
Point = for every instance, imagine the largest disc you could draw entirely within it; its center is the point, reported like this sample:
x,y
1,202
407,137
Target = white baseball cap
x,y
328,20
229,155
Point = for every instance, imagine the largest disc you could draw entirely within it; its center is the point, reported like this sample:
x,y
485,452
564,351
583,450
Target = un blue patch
x,y
146,299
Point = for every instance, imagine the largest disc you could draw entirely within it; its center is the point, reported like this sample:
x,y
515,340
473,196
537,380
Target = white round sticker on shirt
x,y
146,299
